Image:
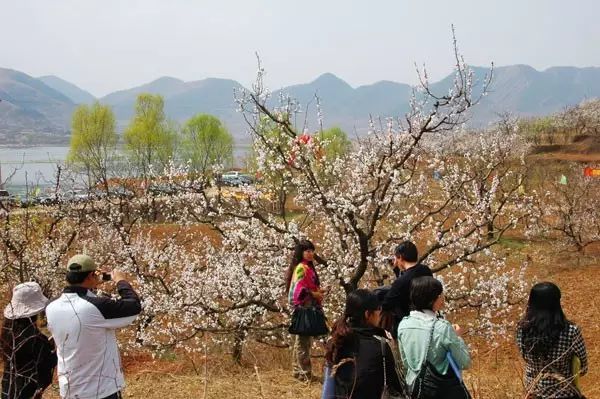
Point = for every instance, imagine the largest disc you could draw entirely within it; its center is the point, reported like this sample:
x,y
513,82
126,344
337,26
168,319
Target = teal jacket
x,y
413,337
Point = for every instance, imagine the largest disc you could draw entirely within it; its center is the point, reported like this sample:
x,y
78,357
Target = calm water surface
x,y
37,165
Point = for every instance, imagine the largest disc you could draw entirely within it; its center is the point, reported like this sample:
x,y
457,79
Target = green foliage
x,y
512,243
538,130
335,142
93,140
206,143
563,127
150,139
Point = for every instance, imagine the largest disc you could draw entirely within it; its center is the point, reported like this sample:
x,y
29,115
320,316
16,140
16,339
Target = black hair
x,y
357,303
297,257
75,278
407,251
424,291
544,319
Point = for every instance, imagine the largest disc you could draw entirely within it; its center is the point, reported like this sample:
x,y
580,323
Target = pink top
x,y
304,287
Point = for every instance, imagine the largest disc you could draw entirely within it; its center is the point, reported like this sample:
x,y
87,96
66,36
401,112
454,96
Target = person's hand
x,y
391,263
318,295
458,329
118,275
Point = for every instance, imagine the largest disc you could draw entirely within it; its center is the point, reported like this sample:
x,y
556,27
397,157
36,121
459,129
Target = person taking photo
x,y
83,326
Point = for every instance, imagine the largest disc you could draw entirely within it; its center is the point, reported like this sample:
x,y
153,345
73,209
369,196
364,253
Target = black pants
x,y
116,395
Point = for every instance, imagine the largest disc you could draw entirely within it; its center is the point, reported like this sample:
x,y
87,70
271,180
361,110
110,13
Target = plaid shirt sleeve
x,y
519,339
579,349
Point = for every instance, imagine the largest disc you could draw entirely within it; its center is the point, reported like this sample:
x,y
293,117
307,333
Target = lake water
x,y
37,165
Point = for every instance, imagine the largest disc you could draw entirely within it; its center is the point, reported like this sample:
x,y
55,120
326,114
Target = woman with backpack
x,y
305,298
550,345
431,347
28,355
359,356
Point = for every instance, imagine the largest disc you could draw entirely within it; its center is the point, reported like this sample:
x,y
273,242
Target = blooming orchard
x,y
210,262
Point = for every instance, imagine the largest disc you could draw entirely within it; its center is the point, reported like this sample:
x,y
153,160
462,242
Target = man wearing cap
x,y
83,327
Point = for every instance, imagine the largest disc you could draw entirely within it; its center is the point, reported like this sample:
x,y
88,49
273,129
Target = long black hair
x,y
297,257
357,303
14,333
544,319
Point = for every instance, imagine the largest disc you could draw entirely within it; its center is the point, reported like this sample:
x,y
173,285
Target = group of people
x,y
82,344
393,341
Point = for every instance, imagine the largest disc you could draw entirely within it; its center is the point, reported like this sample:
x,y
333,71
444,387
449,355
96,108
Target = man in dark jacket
x,y
397,300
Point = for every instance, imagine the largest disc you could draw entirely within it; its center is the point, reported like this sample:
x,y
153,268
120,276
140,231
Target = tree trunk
x,y
238,346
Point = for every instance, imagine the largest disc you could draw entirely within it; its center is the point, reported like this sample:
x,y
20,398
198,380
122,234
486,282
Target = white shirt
x,y
83,327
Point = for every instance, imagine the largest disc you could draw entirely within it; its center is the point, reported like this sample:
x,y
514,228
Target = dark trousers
x,y
116,395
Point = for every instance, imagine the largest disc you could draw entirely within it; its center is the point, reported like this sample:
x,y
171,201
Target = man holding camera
x,y
83,327
396,303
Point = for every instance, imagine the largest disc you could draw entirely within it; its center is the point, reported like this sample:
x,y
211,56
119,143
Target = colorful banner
x,y
591,172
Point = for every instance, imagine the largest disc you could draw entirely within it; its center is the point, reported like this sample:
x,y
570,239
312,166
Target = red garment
x,y
304,288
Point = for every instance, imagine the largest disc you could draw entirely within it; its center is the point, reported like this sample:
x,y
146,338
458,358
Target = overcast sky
x,y
107,45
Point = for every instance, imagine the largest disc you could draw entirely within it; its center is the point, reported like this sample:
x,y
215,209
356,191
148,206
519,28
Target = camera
x,y
106,276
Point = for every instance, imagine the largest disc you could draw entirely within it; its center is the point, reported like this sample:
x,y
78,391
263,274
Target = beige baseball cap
x,y
81,263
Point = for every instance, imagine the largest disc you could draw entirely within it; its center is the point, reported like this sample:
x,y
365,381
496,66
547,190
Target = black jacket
x,y
29,366
363,377
397,299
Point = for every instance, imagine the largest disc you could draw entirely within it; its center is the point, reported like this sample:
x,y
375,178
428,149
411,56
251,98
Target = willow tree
x,y
93,141
149,138
335,142
206,143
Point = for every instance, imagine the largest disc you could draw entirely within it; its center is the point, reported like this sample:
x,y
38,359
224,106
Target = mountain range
x,y
41,107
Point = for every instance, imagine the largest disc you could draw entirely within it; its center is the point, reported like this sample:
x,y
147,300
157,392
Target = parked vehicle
x,y
162,189
235,180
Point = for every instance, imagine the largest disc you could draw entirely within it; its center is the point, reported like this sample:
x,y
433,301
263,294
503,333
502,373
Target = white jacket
x,y
83,327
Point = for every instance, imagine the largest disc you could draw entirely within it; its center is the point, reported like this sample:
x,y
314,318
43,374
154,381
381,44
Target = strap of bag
x,y
428,344
383,343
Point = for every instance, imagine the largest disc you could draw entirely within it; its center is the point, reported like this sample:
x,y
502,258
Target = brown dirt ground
x,y
582,149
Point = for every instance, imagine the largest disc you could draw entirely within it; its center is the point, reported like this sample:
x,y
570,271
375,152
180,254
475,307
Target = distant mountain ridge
x,y
30,108
45,104
183,100
71,91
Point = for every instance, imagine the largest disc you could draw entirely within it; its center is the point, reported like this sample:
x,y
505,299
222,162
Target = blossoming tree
x,y
210,260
